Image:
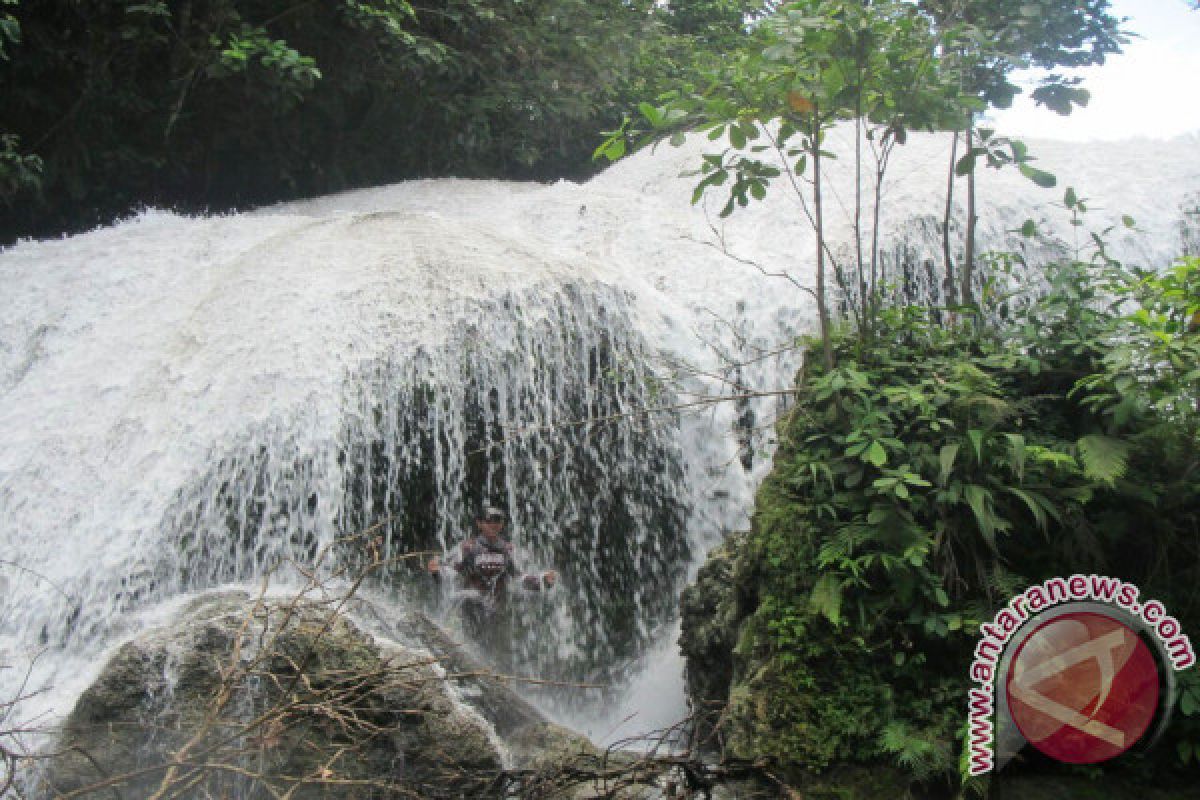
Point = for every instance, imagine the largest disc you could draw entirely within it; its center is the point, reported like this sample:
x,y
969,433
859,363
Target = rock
x,y
712,610
530,739
250,699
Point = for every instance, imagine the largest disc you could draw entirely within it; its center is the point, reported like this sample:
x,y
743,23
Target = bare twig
x,y
722,247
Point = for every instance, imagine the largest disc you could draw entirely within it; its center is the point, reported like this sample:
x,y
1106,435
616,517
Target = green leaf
x,y
653,115
980,501
1060,98
975,436
613,149
946,462
1029,228
9,29
1042,178
1104,458
677,139
912,479
156,9
1016,453
965,164
1035,508
875,454
826,597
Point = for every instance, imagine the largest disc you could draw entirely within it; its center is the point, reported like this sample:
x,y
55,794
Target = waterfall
x,y
188,402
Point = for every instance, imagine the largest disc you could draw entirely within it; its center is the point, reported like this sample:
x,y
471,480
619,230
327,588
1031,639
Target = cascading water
x,y
186,402
428,435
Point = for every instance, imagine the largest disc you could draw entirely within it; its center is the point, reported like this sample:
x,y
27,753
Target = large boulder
x,y
243,698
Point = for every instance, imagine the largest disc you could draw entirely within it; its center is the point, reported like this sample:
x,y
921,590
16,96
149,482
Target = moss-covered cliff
x,y
936,471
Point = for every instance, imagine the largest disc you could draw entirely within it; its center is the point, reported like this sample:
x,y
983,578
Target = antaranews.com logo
x,y
1077,667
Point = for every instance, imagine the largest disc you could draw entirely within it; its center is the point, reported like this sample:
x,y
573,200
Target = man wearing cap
x,y
485,565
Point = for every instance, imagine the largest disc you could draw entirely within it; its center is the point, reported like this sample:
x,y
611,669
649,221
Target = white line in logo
x,y
1101,650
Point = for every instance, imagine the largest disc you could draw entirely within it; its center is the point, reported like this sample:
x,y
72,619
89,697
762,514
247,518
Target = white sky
x,y
1151,89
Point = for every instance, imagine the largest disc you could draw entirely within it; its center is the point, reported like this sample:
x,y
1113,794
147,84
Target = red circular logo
x,y
1083,688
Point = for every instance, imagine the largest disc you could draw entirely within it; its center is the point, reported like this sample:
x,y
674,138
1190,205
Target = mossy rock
x,y
267,694
711,610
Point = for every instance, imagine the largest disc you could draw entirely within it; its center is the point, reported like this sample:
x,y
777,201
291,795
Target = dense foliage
x,y
937,470
113,105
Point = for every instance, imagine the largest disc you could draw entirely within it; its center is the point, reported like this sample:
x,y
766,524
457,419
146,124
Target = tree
x,y
890,67
988,40
17,170
811,65
239,102
714,24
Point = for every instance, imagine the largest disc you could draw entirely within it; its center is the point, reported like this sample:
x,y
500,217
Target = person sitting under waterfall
x,y
484,566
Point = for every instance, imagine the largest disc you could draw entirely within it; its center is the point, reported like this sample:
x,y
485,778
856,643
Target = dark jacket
x,y
487,566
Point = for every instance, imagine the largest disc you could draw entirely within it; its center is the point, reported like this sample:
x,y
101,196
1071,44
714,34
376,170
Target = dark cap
x,y
492,514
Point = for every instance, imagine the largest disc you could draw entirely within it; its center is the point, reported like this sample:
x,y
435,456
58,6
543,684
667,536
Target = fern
x,y
1003,583
826,597
840,548
1039,506
921,756
980,501
1104,458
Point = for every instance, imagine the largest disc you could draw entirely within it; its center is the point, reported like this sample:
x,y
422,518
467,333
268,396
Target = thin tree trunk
x,y
864,321
948,284
880,169
968,294
822,306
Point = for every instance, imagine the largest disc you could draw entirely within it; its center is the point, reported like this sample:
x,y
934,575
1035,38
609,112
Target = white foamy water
x,y
186,401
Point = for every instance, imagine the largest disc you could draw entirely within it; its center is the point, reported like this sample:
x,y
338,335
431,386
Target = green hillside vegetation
x,y
939,470
111,106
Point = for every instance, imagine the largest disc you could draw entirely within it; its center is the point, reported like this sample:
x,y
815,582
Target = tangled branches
x,y
278,695
275,696
667,764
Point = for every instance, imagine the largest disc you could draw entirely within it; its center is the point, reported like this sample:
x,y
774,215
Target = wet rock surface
x,y
712,609
254,698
